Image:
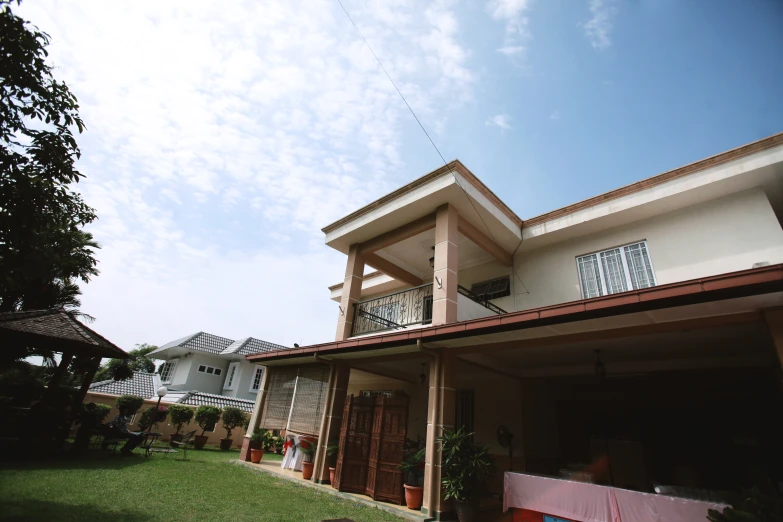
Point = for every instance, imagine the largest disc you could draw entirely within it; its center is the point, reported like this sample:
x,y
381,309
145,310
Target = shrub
x,y
413,464
262,438
308,448
180,415
129,404
93,413
152,416
465,465
207,417
233,418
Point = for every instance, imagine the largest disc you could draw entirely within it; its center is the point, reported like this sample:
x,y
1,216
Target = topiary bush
x,y
233,418
152,416
180,415
129,405
207,417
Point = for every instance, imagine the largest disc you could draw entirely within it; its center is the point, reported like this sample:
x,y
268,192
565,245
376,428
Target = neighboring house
x,y
211,364
639,327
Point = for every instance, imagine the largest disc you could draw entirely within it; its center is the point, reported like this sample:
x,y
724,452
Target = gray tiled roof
x,y
141,384
198,398
250,345
202,342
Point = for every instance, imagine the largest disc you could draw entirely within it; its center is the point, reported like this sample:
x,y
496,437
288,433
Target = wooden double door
x,y
372,439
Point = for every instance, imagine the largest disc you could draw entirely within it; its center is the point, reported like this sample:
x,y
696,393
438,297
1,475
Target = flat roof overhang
x,y
721,298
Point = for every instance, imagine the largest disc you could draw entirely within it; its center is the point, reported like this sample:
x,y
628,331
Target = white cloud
x,y
222,139
601,22
502,121
512,13
555,115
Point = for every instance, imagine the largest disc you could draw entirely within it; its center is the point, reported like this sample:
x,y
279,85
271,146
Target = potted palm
x,y
465,466
331,452
308,447
232,418
413,467
206,418
179,415
260,441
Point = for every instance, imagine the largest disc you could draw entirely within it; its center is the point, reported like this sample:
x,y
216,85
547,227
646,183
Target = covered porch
x,y
674,387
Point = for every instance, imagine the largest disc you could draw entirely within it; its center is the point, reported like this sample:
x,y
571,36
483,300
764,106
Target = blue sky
x,y
222,139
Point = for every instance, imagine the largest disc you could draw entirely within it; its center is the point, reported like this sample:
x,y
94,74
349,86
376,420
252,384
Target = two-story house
x,y
634,338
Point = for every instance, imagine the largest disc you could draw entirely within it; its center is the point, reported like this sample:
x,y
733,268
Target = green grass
x,y
207,486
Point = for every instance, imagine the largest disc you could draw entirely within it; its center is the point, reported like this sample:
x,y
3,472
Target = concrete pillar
x,y
258,413
352,292
774,320
440,415
331,420
444,289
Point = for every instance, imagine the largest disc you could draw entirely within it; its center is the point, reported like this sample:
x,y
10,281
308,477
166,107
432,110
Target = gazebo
x,y
57,331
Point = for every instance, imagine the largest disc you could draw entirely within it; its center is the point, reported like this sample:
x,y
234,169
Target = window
x,y
255,383
166,371
615,270
211,370
376,393
231,376
492,289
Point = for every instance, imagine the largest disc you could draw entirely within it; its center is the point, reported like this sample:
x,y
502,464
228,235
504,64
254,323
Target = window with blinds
x,y
492,289
615,270
296,399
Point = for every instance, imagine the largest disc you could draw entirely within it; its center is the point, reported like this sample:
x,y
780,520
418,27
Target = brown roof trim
x,y
365,277
725,286
454,165
723,157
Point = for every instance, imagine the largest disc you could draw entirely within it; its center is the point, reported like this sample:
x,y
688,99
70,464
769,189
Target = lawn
x,y
207,486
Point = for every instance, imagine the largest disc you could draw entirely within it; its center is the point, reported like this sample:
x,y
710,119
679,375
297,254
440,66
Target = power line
x,y
392,81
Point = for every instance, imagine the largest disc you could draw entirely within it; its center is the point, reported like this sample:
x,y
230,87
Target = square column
x,y
440,415
352,292
332,419
258,412
444,288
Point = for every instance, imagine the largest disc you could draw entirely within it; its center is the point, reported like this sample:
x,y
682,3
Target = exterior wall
x,y
181,372
484,272
203,382
724,235
244,379
166,429
468,309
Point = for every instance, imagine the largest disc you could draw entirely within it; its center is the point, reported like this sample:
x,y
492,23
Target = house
x,y
634,338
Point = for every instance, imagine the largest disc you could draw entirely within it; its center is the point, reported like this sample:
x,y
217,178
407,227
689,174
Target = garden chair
x,y
188,440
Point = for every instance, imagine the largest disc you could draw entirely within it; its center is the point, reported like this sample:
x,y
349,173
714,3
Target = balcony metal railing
x,y
397,310
401,309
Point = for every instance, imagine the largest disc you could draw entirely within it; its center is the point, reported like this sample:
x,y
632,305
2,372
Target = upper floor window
x,y
211,370
231,376
492,289
255,383
166,371
615,270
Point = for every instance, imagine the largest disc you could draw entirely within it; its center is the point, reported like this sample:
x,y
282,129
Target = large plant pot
x,y
331,476
307,470
256,455
175,438
225,444
466,511
414,496
199,441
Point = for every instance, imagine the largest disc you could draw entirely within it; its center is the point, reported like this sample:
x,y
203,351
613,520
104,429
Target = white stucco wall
x,y
203,382
723,235
244,379
468,309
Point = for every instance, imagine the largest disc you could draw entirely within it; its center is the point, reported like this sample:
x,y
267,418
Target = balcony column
x,y
352,292
444,289
331,420
258,413
440,415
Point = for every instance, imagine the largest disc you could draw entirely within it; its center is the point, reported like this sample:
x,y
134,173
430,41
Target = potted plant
x,y
232,418
413,467
308,447
179,415
129,405
331,452
465,466
152,416
260,441
206,418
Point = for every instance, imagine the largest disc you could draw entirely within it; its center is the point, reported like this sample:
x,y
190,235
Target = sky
x,y
222,136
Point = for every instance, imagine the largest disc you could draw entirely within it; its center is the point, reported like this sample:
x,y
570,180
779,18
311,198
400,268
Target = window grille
x,y
615,270
492,289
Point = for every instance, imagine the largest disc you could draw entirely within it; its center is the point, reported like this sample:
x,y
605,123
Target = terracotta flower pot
x,y
225,444
414,496
307,470
256,455
199,441
331,476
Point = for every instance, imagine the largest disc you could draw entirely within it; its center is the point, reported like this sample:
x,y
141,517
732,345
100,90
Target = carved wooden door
x,y
389,429
354,448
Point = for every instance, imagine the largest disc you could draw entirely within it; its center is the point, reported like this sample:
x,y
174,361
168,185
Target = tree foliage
x,y
207,417
232,418
43,249
121,369
180,415
129,404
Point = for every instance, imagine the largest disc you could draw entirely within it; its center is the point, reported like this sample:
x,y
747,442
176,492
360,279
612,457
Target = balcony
x,y
413,307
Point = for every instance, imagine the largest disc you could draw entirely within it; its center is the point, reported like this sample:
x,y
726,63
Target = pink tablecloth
x,y
584,502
